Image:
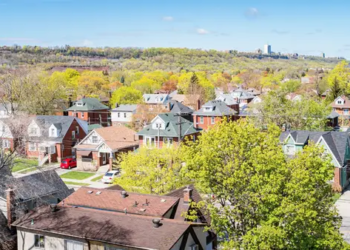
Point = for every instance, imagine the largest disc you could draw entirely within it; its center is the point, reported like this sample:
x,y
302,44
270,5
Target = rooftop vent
x,y
124,194
156,223
143,210
90,192
53,208
98,193
163,200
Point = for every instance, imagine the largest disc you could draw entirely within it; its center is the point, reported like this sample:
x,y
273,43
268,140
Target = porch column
x,y
98,160
111,158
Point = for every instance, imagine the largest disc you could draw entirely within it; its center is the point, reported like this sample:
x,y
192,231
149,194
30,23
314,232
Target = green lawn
x,y
76,183
75,175
97,178
22,163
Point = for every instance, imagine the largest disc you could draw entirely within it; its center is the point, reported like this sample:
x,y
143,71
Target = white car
x,y
110,176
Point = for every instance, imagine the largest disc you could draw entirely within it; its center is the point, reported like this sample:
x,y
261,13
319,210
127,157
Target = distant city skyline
x,y
310,28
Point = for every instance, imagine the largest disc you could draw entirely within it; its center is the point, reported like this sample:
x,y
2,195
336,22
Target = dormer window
x,y
79,104
207,109
52,132
94,139
158,125
33,131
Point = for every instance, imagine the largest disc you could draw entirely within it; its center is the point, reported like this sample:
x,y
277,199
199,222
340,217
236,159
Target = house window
x,y
290,149
118,115
201,119
339,102
94,139
33,131
346,111
212,120
77,130
73,134
168,141
52,132
158,125
79,104
149,141
82,114
74,245
124,115
32,146
39,241
6,144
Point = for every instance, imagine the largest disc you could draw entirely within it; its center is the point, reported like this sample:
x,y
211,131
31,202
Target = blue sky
x,y
305,27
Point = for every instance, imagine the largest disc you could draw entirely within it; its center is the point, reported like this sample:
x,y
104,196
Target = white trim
x,y
329,150
292,139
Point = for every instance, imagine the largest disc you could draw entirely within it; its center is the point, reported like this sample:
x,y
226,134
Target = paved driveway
x,y
343,205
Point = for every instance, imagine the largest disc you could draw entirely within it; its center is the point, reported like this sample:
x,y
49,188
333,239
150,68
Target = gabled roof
x,y
219,109
178,108
242,94
155,98
112,200
38,185
126,230
63,122
336,141
88,104
345,105
333,115
171,127
228,99
125,108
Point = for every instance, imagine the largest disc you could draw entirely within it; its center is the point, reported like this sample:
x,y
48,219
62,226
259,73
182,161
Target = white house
x,y
156,99
123,114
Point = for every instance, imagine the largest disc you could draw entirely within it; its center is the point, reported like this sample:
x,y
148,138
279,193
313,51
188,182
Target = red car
x,y
68,163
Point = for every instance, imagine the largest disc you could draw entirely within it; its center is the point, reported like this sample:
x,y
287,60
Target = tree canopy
x,y
126,95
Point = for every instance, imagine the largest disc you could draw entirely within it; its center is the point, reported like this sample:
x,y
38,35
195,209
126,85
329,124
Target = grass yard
x,y
76,183
76,175
97,178
22,163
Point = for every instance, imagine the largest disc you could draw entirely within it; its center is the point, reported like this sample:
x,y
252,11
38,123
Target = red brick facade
x,y
92,117
208,121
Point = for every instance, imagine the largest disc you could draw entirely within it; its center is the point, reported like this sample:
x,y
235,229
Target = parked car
x,y
110,176
68,163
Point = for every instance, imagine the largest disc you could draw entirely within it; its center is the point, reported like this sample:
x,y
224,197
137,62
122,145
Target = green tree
x,y
260,199
151,171
335,89
340,75
122,80
126,95
290,86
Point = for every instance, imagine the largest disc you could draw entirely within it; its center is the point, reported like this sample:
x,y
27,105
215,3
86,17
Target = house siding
x,y
207,121
92,117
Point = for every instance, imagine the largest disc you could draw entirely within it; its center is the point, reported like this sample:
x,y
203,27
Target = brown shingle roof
x,y
112,200
102,226
346,104
118,137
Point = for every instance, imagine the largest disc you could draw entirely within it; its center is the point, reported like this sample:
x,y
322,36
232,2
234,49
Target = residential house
x,y
20,195
90,110
254,91
156,99
191,101
333,120
242,96
7,139
229,100
211,113
52,138
102,146
325,94
256,99
113,219
123,114
334,143
178,108
341,105
294,97
167,129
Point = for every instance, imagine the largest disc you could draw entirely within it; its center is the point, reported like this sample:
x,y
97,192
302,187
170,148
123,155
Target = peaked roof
x,y
242,94
228,99
62,123
155,98
219,109
178,108
171,127
336,141
87,104
125,108
345,105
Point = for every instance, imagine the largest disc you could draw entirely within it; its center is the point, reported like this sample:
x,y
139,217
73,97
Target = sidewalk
x,y
343,205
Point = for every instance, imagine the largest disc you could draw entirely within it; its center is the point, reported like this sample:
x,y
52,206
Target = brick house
x,y
113,219
52,138
211,113
167,129
90,110
102,146
336,144
191,101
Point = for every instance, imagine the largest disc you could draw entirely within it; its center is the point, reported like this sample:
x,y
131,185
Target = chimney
x,y
187,194
10,205
124,194
116,105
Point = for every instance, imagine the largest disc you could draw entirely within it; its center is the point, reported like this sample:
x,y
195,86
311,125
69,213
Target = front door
x,y
104,158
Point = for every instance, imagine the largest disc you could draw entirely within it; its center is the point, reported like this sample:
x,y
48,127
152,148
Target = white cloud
x,y
87,43
202,31
168,18
252,13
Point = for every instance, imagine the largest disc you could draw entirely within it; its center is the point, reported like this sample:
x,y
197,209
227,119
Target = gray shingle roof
x,y
178,108
227,98
155,98
126,108
336,141
45,121
87,104
219,108
171,127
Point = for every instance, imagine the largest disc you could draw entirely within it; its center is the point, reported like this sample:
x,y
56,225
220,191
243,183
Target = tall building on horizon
x,y
267,49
